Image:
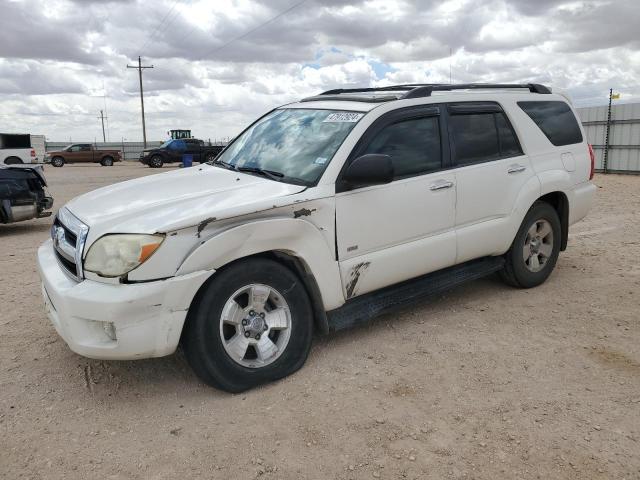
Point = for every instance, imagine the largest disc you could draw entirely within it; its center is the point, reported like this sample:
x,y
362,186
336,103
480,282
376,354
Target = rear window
x,y
556,120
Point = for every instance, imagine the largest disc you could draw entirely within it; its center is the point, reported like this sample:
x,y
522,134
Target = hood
x,y
178,199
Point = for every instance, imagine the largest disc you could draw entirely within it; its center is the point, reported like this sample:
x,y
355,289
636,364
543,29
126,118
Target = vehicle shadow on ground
x,y
23,228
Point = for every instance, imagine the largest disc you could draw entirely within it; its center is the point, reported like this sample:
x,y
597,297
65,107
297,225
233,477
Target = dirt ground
x,y
485,382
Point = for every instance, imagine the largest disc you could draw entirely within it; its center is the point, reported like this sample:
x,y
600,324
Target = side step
x,y
359,310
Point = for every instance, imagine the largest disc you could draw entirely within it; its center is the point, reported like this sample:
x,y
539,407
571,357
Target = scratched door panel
x,y
390,233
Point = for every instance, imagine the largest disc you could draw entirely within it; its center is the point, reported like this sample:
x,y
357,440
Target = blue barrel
x,y
187,160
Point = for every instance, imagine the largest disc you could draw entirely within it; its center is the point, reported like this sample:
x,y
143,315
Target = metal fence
x,y
130,150
624,136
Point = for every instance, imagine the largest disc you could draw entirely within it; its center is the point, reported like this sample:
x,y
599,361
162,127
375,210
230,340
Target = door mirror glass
x,y
371,169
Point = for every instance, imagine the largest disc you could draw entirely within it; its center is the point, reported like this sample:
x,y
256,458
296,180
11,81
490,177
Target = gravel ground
x,y
485,382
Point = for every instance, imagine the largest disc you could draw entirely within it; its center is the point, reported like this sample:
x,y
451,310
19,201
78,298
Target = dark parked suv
x,y
173,151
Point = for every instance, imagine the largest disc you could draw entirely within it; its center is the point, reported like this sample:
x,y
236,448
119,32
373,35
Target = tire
x,y
156,161
220,352
106,162
57,161
13,161
539,239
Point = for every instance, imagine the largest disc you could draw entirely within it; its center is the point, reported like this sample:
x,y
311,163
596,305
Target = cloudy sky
x,y
220,64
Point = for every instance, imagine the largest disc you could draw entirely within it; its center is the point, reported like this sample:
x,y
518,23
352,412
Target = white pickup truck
x,y
16,149
320,215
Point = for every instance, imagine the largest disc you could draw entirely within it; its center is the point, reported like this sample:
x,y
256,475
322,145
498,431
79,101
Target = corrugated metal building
x,y
624,136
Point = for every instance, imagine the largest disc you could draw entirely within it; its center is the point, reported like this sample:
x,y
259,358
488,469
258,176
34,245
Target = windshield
x,y
166,144
295,144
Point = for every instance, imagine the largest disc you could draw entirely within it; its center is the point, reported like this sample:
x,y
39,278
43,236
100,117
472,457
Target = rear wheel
x,y
106,162
57,161
535,249
13,161
251,324
155,161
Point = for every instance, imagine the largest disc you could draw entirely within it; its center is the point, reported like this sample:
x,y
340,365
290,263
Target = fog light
x,y
109,329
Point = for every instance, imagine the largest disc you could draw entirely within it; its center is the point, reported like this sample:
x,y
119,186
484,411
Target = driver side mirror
x,y
370,169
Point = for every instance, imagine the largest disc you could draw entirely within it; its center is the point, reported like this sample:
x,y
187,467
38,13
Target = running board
x,y
362,309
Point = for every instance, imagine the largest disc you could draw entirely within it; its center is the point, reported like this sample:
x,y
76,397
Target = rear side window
x,y
482,137
413,145
556,120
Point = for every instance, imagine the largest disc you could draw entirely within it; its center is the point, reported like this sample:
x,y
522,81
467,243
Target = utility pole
x,y
605,162
102,117
140,67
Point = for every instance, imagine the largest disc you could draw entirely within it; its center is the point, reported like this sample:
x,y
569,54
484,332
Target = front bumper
x,y
116,322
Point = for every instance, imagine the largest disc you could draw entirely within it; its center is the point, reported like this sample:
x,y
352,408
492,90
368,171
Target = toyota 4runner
x,y
320,215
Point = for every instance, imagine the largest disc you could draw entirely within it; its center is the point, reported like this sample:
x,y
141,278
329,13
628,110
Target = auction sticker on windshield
x,y
349,117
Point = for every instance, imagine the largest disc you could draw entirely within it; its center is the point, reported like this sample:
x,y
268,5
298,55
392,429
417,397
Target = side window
x,y
178,145
75,148
413,145
482,137
85,148
509,145
556,120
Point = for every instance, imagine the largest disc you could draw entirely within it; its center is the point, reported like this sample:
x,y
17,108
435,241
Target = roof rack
x,y
401,92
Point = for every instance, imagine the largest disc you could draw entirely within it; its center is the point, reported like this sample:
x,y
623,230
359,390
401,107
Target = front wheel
x,y
535,249
250,325
57,161
155,161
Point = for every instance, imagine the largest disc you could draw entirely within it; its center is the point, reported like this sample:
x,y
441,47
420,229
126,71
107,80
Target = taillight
x,y
33,152
593,161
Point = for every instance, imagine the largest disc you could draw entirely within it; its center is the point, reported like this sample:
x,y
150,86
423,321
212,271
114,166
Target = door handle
x,y
440,185
516,168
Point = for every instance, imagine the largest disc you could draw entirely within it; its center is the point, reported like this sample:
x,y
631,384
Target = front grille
x,y
69,234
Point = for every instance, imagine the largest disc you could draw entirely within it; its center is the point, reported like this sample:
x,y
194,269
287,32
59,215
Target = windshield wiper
x,y
272,174
226,165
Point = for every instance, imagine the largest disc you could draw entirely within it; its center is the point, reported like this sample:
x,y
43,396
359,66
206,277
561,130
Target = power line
x,y
258,27
155,31
140,67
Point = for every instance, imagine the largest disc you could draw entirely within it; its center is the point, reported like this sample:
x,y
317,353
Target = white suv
x,y
320,215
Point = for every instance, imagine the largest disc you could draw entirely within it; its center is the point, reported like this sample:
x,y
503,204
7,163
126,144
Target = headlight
x,y
115,255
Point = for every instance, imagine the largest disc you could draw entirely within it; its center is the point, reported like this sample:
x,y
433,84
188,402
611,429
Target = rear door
x,y
491,170
393,232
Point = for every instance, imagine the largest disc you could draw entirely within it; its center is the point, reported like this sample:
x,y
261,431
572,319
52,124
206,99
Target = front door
x,y
393,232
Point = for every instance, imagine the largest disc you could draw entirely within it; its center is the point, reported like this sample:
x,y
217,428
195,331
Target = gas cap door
x,y
568,161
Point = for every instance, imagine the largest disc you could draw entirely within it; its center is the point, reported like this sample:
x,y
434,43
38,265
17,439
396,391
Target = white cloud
x,y
57,57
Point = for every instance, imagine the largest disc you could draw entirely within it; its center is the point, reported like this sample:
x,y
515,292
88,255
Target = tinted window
x,y
413,145
556,120
509,146
482,137
475,138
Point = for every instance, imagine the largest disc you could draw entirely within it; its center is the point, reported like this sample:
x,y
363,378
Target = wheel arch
x,y
560,202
